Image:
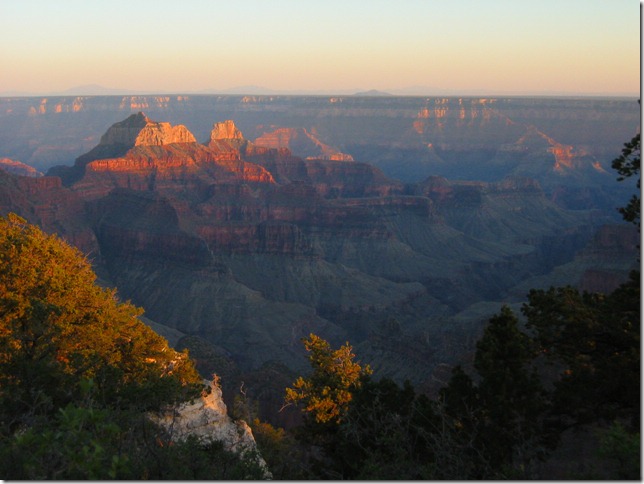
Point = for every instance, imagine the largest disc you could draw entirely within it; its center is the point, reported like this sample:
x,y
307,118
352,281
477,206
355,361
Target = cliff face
x,y
45,202
139,130
207,420
18,168
141,154
301,143
44,132
225,131
136,130
250,248
613,249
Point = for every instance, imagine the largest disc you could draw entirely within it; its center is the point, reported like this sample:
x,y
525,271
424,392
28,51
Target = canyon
x,y
241,224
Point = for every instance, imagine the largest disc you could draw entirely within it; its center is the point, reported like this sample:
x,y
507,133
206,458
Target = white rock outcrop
x,y
207,419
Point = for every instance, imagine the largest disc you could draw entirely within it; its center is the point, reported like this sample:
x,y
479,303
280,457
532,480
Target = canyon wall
x,y
240,250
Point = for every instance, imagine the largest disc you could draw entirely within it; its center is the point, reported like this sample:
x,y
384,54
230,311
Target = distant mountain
x,y
248,89
372,93
95,90
266,91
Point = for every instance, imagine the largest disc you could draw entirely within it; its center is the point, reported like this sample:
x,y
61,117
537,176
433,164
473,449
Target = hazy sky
x,y
180,46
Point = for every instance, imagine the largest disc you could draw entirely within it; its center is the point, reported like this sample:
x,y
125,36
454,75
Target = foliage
x,y
58,328
327,392
286,459
83,443
384,433
628,165
498,422
594,341
78,372
503,422
623,448
195,460
78,443
576,364
511,397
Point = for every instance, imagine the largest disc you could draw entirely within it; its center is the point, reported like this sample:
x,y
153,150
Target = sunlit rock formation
x,y
207,420
250,248
146,155
18,168
227,141
301,143
139,130
136,130
225,130
44,201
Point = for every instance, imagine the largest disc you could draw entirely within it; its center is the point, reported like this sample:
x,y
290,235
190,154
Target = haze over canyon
x,y
400,224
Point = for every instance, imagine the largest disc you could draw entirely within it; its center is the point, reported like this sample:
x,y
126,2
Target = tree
x,y
385,433
498,422
79,372
66,343
593,340
511,397
58,328
628,165
326,393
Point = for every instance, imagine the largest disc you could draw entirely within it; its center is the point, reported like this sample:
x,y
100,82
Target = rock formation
x,y
390,132
139,130
46,202
227,141
250,248
136,130
147,155
301,143
225,131
207,419
18,168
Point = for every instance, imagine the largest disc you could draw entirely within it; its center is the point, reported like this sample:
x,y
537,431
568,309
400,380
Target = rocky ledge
x,y
207,419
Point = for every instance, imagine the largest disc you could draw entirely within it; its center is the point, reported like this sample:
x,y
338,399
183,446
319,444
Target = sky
x,y
322,46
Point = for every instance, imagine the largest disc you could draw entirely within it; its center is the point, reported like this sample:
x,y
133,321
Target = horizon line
x,y
13,94
253,90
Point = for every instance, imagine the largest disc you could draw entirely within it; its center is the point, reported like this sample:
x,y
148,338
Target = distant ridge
x,y
373,93
253,90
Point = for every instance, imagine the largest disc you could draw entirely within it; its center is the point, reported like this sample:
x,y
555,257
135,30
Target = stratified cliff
x,y
302,143
246,248
18,168
44,201
142,154
47,131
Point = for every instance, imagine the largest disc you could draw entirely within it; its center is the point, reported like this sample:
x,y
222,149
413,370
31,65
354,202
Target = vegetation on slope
x,y
78,372
545,389
574,369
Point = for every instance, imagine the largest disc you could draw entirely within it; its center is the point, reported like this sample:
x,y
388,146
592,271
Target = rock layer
x,y
250,248
18,168
301,143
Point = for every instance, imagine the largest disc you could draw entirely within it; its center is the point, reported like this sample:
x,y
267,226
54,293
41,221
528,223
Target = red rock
x,y
45,202
18,168
225,130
